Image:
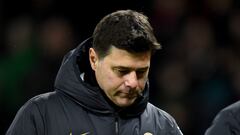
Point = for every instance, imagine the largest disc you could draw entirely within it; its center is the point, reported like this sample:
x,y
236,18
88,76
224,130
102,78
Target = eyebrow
x,y
129,68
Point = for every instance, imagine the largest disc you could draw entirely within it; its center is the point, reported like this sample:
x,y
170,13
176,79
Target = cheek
x,y
142,83
111,81
114,81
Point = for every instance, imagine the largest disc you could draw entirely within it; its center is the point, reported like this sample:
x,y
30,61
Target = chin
x,y
125,102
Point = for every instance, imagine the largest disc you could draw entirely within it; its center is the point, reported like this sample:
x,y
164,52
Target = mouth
x,y
129,95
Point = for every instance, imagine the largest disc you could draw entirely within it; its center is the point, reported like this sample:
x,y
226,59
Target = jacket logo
x,y
86,133
147,133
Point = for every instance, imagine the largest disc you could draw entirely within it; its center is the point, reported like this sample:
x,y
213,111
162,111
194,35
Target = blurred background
x,y
196,74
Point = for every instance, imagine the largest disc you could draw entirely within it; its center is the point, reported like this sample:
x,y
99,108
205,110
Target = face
x,y
121,75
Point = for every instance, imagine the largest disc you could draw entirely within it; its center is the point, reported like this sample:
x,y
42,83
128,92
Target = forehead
x,y
122,58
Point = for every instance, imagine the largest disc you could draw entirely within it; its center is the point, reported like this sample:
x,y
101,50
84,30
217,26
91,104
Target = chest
x,y
84,123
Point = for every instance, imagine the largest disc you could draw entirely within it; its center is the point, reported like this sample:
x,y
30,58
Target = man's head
x,y
123,43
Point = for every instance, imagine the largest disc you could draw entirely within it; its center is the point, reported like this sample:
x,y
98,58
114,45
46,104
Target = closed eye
x,y
141,73
122,72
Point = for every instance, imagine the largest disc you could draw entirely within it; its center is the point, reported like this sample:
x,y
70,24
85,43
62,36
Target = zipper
x,y
116,125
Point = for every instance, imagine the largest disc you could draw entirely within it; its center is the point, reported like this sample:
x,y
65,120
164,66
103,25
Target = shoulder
x,y
38,107
43,97
159,113
30,117
226,121
233,108
39,102
161,120
230,112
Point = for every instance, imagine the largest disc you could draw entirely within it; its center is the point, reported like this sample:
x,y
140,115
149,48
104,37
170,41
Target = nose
x,y
131,80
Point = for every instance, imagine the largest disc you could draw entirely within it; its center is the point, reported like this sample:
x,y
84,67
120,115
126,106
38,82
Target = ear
x,y
93,58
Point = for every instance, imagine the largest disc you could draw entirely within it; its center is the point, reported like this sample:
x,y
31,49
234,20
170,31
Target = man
x,y
102,86
227,121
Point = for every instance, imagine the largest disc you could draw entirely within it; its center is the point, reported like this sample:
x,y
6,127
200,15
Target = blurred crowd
x,y
196,74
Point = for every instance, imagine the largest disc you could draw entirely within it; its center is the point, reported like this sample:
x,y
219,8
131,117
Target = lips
x,y
129,94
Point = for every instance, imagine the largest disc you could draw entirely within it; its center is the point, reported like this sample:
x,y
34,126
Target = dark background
x,y
194,76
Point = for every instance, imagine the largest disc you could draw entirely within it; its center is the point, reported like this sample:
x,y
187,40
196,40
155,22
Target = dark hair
x,y
124,29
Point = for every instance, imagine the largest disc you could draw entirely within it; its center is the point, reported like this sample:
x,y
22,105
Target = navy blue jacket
x,y
76,107
227,121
